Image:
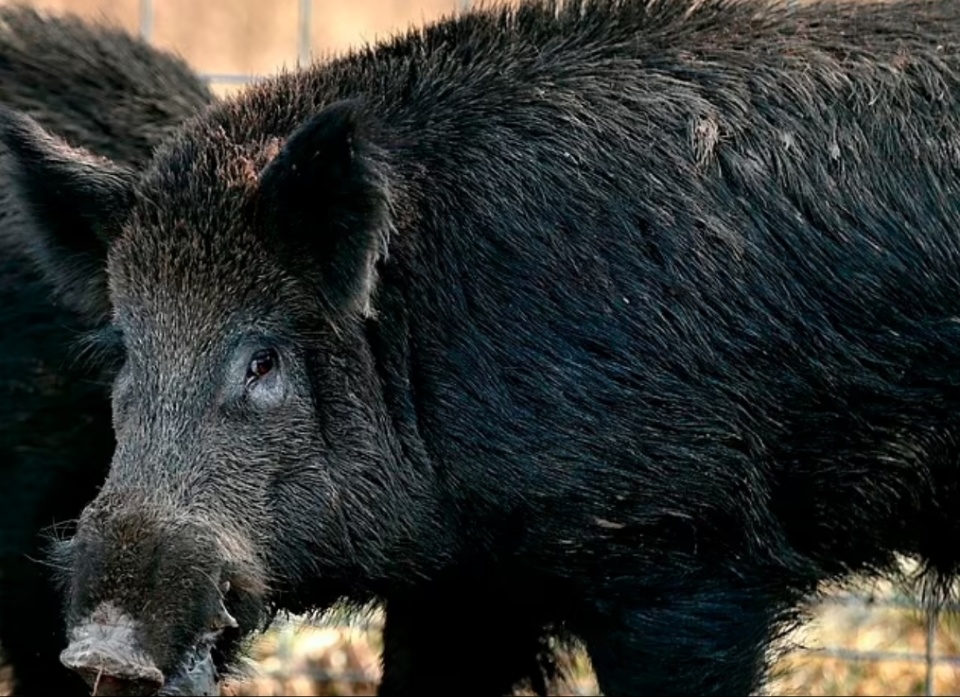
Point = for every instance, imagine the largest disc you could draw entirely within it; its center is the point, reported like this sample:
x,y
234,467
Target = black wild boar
x,y
633,319
103,89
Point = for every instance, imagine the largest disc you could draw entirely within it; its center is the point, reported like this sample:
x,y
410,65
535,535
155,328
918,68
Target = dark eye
x,y
262,364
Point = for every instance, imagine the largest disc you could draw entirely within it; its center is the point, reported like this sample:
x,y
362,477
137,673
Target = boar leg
x,y
451,642
699,638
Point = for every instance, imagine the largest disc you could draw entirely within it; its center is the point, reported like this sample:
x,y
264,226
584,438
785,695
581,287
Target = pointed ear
x,y
325,200
60,205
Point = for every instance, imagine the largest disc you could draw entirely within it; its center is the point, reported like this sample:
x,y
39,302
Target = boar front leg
x,y
460,640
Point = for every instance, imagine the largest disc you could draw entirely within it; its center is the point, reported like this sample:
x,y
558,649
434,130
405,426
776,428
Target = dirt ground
x,y
295,658
305,661
302,660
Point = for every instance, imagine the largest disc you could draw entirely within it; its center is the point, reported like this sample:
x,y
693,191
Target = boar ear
x,y
325,198
60,204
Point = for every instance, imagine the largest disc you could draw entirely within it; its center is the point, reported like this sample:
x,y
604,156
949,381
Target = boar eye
x,y
262,364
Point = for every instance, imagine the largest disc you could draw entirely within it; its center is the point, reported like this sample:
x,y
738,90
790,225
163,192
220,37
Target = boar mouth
x,y
147,596
106,653
198,675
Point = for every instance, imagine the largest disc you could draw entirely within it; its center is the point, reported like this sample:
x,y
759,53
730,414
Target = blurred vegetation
x,y
299,659
302,659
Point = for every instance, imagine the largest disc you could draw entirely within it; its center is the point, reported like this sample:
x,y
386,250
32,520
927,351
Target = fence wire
x,y
929,657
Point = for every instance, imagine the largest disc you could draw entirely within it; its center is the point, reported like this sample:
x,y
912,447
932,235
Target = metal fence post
x,y
146,19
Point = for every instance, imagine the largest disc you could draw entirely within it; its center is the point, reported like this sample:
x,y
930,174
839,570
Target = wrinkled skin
x,y
100,88
630,320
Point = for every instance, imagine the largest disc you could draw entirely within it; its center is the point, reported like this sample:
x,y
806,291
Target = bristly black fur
x,y
633,320
102,89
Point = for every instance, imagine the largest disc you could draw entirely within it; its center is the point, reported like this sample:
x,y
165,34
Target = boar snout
x,y
148,592
106,653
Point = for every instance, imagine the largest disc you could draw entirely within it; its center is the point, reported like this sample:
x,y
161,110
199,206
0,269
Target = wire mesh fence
x,y
146,11
928,643
930,657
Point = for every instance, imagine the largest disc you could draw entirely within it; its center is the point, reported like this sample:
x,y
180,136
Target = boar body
x,y
99,88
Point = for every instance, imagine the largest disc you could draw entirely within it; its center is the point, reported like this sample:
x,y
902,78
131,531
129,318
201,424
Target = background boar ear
x,y
59,204
325,199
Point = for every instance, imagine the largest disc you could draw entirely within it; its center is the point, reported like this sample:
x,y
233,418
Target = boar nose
x,y
105,655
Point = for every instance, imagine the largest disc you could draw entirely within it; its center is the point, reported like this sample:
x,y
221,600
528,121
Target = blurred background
x,y
866,639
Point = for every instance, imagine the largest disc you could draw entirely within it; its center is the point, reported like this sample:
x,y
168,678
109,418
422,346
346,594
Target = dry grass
x,y
298,659
303,660
885,630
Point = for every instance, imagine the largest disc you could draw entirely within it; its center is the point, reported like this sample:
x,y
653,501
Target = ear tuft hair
x,y
61,205
325,199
